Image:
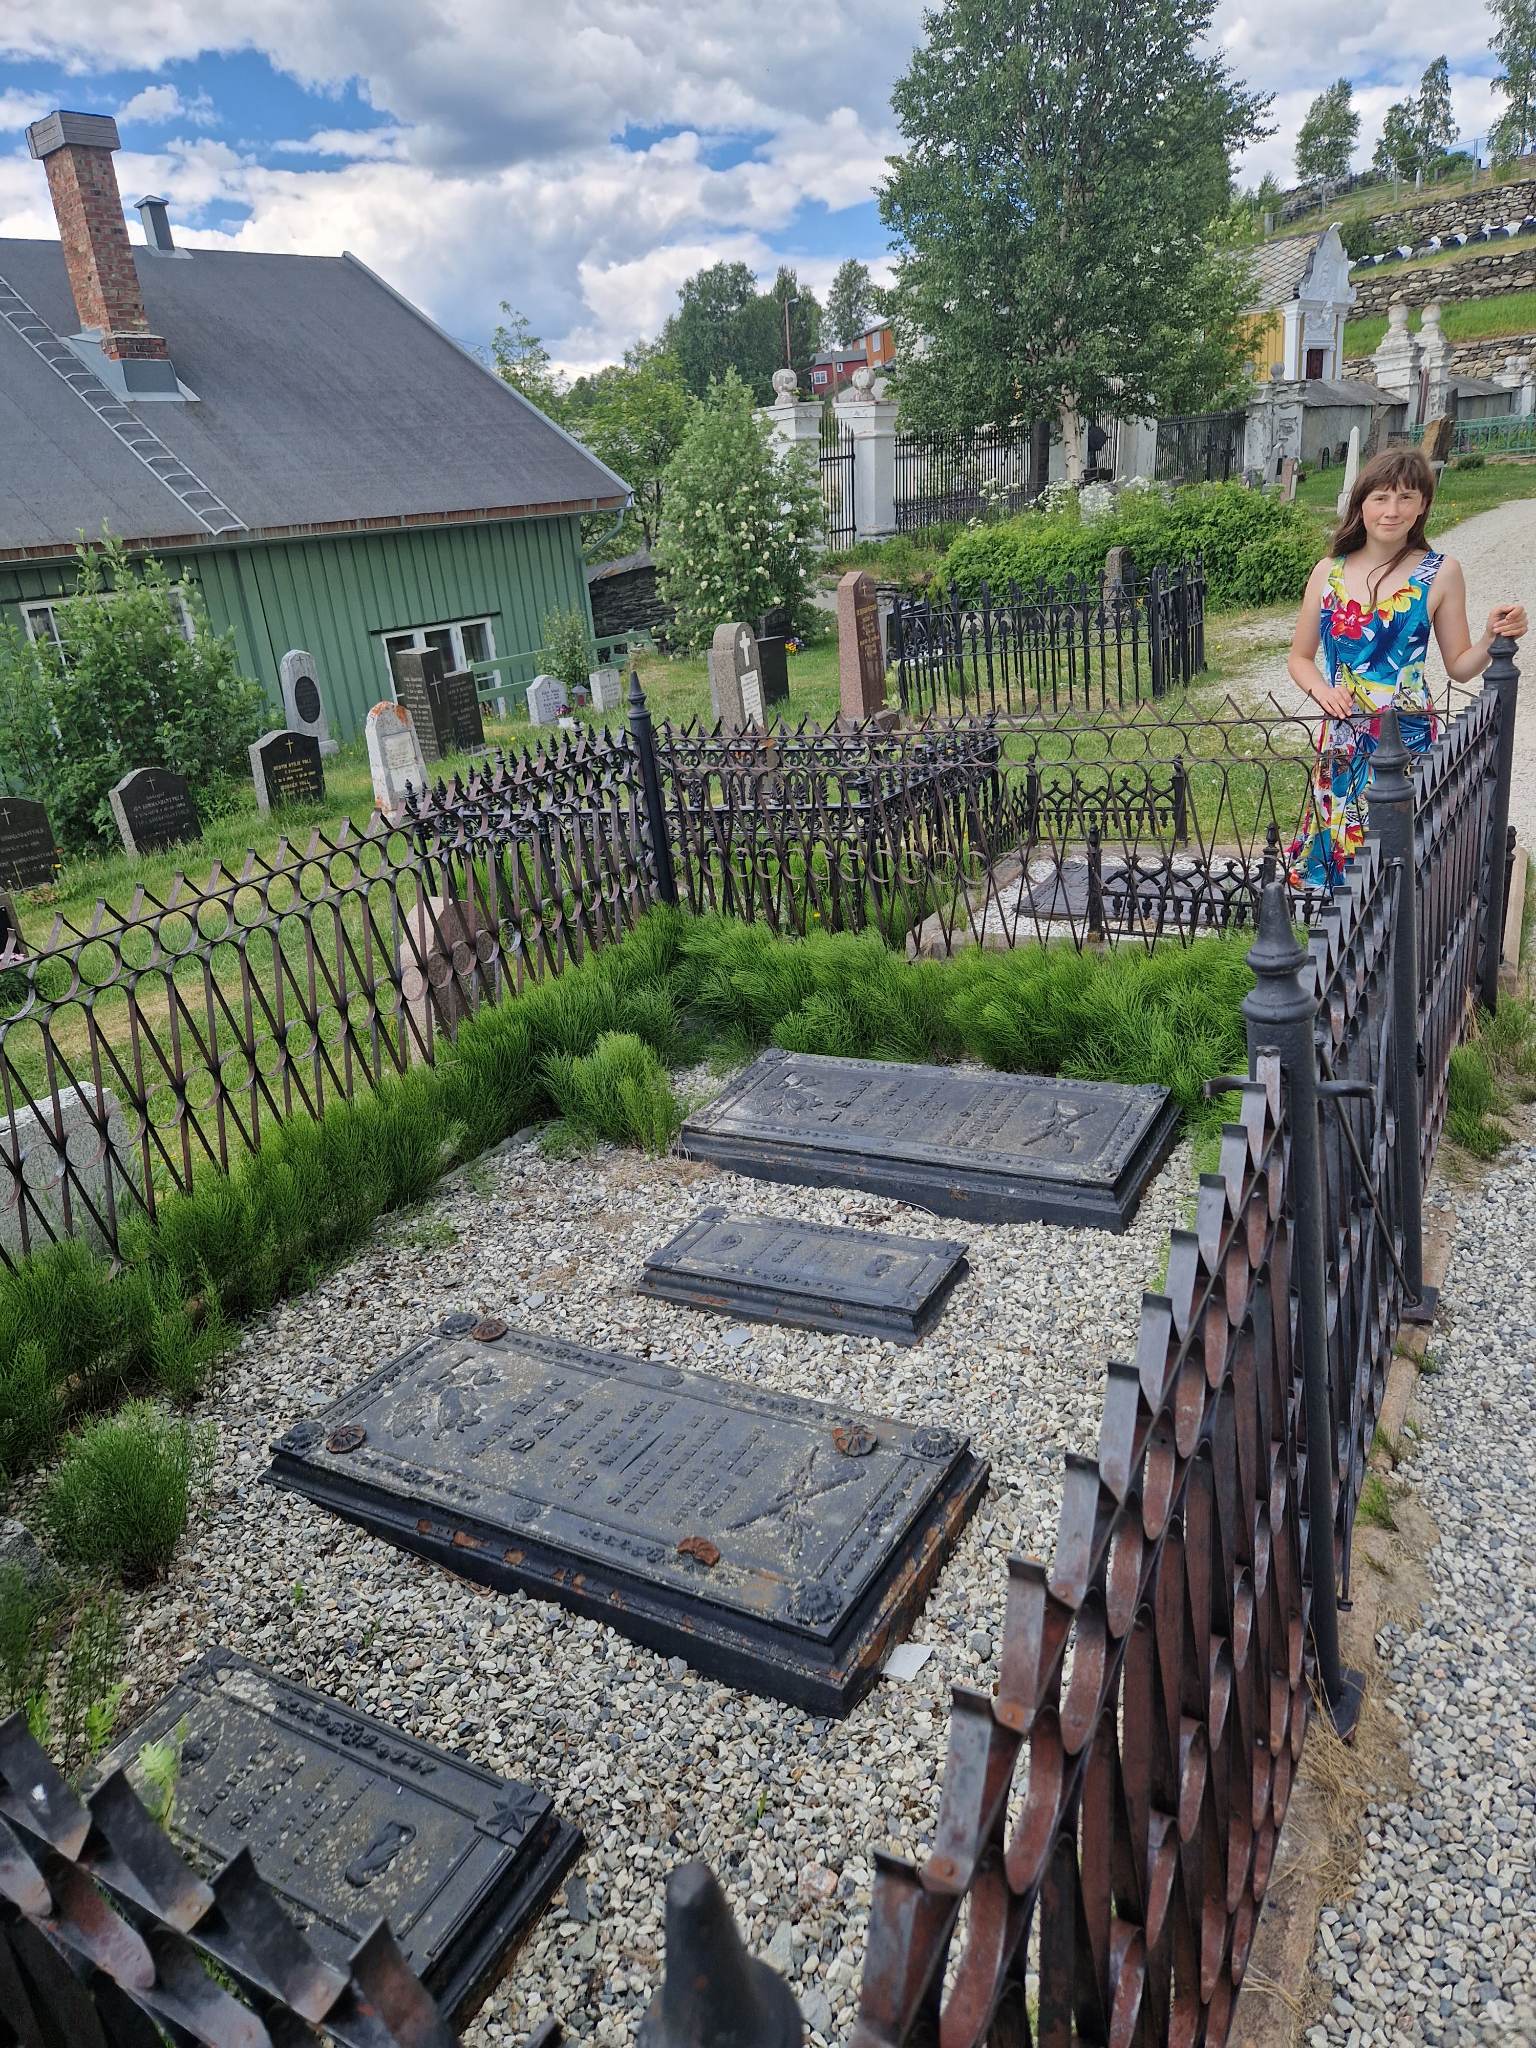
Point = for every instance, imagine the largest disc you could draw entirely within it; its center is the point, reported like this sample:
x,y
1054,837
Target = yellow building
x,y
1296,326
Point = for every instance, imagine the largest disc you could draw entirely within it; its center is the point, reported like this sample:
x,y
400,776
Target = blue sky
x,y
578,158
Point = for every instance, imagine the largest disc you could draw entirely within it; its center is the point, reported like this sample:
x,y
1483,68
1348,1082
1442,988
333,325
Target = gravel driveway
x,y
1438,1941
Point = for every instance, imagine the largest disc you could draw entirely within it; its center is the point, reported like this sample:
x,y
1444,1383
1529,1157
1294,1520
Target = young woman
x,y
1369,606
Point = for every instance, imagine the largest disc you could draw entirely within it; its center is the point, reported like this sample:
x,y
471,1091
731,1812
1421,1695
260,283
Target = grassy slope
x,y
1462,320
1462,492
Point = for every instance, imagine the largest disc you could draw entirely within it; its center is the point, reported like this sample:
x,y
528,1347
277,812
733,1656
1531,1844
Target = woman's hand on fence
x,y
1334,698
1508,620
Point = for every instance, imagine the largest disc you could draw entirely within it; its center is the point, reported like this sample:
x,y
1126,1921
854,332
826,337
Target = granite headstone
x,y
350,1821
154,809
1004,1148
607,690
546,700
303,706
735,677
860,654
394,756
285,769
461,701
418,675
773,665
29,858
774,1542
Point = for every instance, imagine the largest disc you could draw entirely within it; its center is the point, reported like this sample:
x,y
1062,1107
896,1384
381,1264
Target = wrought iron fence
x,y
108,1939
1025,654
1501,434
1202,447
939,482
840,522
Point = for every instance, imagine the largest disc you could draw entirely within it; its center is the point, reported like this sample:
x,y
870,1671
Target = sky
x,y
577,158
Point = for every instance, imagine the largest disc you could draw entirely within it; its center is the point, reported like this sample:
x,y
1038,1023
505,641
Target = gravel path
x,y
1497,550
654,1763
1438,1942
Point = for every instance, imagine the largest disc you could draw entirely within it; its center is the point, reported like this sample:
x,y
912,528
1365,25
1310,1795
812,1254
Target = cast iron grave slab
x,y
349,1821
817,1275
775,1543
1004,1148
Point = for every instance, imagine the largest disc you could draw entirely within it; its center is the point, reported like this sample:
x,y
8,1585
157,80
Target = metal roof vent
x,y
157,224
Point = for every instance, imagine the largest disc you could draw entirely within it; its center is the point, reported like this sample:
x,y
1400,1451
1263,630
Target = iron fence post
x,y
1392,809
1502,676
1095,884
1281,1017
642,732
1155,646
712,1991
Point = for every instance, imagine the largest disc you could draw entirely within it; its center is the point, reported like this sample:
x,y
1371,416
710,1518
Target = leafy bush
x,y
121,1494
125,689
740,520
910,559
1257,550
618,1091
569,651
1474,459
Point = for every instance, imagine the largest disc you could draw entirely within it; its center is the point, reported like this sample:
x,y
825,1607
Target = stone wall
x,y
1495,205
1468,358
1475,277
624,598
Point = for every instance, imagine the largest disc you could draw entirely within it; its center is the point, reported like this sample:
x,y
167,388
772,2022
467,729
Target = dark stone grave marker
x,y
349,1821
1004,1148
818,1276
154,809
776,1543
773,666
466,725
285,768
419,687
29,858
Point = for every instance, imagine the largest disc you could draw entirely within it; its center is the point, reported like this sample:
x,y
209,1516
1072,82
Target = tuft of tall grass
x,y
620,1091
119,1497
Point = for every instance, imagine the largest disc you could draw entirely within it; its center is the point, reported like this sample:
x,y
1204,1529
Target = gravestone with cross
x,y
285,769
419,675
29,858
461,701
303,705
154,809
394,756
735,677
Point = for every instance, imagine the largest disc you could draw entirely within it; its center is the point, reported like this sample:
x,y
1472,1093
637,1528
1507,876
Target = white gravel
x,y
1437,1943
655,1763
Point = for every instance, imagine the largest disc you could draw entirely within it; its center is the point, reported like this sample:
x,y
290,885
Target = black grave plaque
x,y
306,700
465,723
775,1543
419,687
29,859
350,1821
286,769
154,809
1005,1148
773,666
817,1275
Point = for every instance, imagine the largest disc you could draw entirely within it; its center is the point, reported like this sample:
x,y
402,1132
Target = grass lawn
x,y
1462,320
1461,493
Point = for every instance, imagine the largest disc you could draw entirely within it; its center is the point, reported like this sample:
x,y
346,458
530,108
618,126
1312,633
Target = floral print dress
x,y
1377,654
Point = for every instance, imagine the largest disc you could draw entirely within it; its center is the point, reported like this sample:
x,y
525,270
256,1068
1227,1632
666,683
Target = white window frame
x,y
417,635
42,629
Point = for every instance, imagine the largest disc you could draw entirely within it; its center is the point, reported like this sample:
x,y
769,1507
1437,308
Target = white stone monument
x,y
394,756
735,677
303,705
1351,470
607,689
546,700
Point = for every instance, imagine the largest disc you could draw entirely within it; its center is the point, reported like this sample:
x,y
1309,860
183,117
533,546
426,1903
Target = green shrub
x,y
1474,459
120,1496
618,1091
569,651
1473,1100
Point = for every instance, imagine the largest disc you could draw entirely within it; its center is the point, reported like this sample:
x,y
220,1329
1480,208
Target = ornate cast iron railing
x,y
108,1939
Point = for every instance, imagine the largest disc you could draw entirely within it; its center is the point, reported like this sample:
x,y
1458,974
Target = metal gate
x,y
1200,447
839,523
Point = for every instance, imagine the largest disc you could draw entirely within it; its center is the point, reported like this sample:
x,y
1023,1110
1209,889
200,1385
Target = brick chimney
x,y
76,151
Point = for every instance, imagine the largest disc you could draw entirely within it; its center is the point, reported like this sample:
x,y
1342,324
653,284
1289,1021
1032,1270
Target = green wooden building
x,y
328,468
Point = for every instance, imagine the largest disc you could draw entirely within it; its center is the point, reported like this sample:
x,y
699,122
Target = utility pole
x,y
789,307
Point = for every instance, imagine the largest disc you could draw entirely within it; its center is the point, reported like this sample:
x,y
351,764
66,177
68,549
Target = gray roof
x,y
1345,391
325,400
1280,267
1483,387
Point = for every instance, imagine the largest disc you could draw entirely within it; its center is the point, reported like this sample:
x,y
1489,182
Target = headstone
x,y
1438,437
285,769
607,690
860,656
55,1173
466,722
773,665
419,687
350,1821
1119,574
775,1543
447,963
154,809
815,1276
1288,479
1003,1148
735,678
303,705
546,700
29,858
1351,470
394,756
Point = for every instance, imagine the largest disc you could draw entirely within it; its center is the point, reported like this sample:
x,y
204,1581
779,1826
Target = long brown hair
x,y
1404,469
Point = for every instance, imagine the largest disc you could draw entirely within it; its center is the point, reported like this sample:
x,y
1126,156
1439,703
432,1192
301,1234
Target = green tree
x,y
1514,44
521,359
125,688
1326,139
633,416
1397,148
707,333
850,302
1434,123
740,519
1052,225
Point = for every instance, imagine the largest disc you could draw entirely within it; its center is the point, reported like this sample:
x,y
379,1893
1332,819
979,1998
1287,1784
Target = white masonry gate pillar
x,y
796,422
864,411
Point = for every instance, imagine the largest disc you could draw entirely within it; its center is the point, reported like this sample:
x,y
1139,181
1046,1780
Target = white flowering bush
x,y
1096,501
741,521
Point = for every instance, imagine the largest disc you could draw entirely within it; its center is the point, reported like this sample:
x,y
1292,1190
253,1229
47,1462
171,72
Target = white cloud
x,y
157,106
20,109
357,144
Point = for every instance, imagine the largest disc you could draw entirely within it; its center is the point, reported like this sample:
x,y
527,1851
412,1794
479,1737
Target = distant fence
x,y
839,508
1501,434
939,481
1024,653
1200,448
